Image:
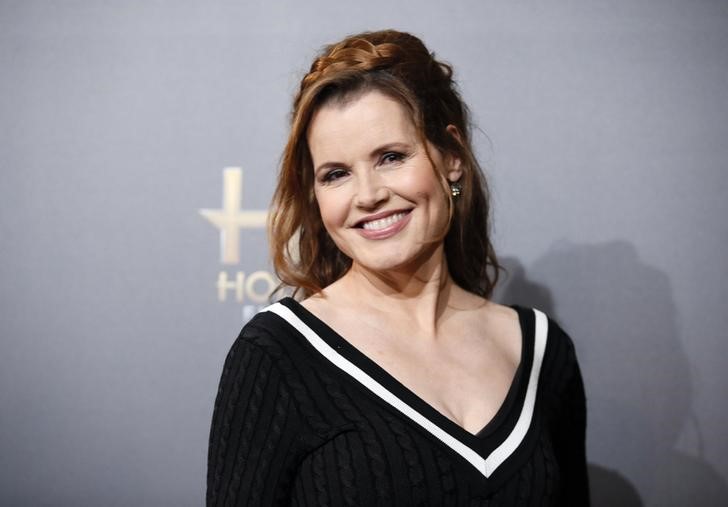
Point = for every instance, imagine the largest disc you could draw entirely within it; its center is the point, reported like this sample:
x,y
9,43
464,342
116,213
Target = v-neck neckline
x,y
396,395
371,366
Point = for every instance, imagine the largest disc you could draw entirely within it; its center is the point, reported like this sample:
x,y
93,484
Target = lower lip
x,y
387,232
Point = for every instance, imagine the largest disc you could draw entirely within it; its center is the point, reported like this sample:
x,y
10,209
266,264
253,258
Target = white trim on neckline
x,y
485,466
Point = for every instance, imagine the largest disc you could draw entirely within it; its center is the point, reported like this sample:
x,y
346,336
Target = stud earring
x,y
456,188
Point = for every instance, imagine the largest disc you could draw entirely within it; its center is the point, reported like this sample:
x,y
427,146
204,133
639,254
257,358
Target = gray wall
x,y
605,135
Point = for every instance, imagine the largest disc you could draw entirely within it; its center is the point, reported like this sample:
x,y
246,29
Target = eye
x,y
391,157
333,175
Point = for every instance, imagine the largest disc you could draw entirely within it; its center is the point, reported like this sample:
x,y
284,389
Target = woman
x,y
394,381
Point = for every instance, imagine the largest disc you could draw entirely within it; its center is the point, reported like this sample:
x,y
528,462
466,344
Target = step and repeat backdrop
x,y
140,144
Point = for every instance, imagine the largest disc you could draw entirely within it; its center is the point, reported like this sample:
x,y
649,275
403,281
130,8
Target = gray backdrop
x,y
604,133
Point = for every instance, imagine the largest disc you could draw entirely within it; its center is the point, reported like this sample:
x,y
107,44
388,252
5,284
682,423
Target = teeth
x,y
383,223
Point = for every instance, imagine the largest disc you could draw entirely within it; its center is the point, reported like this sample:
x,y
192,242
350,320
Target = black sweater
x,y
304,418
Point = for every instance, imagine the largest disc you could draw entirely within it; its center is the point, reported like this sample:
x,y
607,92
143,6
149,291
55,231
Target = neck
x,y
420,294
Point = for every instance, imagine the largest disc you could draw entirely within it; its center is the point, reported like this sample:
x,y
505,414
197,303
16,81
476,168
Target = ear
x,y
453,162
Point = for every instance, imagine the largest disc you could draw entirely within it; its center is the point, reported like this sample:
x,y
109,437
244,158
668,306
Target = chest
x,y
375,413
465,375
392,465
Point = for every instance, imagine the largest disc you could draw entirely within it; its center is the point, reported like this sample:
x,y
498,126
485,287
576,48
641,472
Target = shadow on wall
x,y
621,315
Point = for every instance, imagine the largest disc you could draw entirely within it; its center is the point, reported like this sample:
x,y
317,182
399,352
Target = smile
x,y
385,226
383,223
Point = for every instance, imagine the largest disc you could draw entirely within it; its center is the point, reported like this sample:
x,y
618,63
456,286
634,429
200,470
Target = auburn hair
x,y
398,65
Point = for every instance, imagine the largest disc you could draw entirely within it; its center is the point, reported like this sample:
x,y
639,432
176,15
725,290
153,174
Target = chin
x,y
393,263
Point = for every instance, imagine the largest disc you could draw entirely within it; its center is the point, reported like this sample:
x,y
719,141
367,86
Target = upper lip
x,y
381,214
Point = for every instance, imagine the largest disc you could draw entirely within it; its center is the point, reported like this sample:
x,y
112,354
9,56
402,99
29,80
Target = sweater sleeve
x,y
254,432
570,433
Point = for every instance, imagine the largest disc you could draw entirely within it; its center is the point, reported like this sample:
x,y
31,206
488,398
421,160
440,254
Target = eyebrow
x,y
375,154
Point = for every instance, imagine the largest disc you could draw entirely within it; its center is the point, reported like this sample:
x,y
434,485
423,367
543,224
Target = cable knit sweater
x,y
303,418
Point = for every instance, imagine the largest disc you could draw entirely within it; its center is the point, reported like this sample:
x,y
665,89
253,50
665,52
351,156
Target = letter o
x,y
270,283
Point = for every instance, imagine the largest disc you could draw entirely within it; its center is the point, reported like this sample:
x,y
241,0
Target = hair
x,y
398,65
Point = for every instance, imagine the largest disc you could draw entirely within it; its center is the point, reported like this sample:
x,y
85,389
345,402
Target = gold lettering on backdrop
x,y
254,280
231,218
255,287
223,285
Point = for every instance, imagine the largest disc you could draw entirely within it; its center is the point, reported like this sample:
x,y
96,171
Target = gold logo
x,y
231,218
254,287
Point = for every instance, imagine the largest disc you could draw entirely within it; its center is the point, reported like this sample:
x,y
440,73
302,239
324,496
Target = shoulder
x,y
560,371
267,325
560,342
538,321
268,333
499,313
484,313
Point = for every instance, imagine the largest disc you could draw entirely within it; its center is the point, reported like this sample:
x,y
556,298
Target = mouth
x,y
379,224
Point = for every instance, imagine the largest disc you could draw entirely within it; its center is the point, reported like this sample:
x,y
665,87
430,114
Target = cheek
x,y
332,209
430,191
424,186
422,178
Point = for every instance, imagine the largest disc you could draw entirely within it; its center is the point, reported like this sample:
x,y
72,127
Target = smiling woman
x,y
392,379
381,202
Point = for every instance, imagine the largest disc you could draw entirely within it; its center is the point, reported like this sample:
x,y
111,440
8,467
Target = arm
x,y
253,436
570,435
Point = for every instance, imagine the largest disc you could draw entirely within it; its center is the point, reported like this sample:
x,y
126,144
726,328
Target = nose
x,y
370,190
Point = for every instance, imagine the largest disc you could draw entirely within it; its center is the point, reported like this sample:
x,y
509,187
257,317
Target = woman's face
x,y
379,198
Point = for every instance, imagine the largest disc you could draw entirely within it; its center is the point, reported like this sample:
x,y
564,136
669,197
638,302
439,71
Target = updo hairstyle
x,y
398,65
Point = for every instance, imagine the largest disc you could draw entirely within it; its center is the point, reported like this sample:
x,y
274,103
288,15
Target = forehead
x,y
356,126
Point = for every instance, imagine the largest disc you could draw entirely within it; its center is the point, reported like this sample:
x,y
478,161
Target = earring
x,y
456,188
